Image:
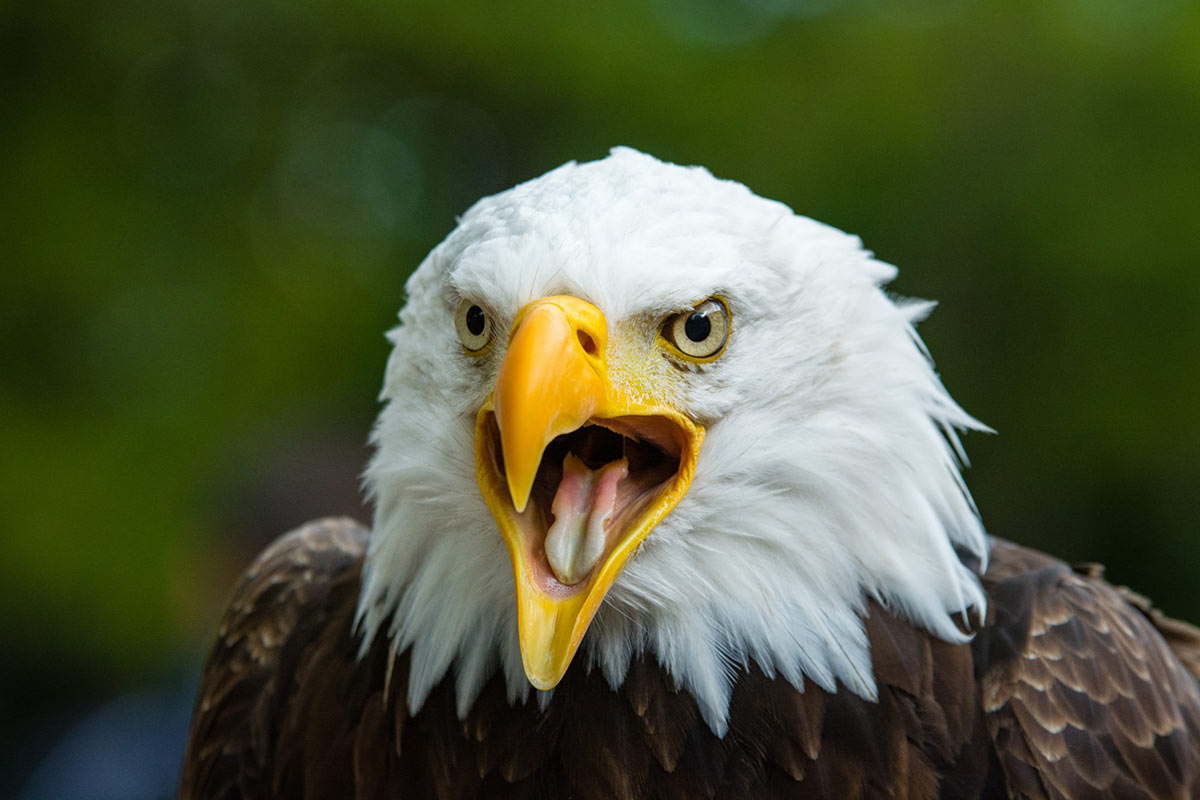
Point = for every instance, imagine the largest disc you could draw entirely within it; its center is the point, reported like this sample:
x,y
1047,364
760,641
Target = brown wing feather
x,y
1083,695
1182,638
288,615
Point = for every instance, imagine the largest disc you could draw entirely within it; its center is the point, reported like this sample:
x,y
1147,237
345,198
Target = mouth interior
x,y
592,485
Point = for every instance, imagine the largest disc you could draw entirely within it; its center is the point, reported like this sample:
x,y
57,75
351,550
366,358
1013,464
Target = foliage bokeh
x,y
209,209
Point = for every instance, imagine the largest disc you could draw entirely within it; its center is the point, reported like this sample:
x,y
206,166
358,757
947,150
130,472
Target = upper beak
x,y
554,380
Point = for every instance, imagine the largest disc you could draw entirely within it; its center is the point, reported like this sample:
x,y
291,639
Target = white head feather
x,y
828,476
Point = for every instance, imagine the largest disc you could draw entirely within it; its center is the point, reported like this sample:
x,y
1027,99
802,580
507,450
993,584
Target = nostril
x,y
587,343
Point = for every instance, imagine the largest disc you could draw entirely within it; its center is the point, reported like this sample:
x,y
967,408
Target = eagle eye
x,y
474,327
700,333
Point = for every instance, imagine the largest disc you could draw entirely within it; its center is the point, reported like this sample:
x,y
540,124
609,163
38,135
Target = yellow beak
x,y
554,380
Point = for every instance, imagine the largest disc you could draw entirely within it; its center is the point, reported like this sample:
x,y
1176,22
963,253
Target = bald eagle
x,y
668,504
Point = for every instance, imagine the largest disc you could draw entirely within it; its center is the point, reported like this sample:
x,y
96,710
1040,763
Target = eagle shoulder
x,y
291,611
1087,690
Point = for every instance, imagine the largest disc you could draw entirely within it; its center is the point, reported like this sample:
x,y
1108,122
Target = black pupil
x,y
475,320
697,327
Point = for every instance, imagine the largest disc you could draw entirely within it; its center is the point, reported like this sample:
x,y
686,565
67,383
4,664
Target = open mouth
x,y
575,471
592,488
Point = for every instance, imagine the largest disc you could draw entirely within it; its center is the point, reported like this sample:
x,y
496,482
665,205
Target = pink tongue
x,y
583,503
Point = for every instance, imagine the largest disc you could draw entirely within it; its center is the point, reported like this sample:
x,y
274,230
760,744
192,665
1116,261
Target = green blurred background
x,y
209,210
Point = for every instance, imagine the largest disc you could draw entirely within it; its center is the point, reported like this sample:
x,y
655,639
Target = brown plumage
x,y
1071,688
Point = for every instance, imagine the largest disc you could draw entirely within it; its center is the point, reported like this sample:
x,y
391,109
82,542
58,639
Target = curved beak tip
x,y
542,682
520,501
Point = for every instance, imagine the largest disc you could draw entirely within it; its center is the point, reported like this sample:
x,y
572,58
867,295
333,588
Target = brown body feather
x,y
1071,689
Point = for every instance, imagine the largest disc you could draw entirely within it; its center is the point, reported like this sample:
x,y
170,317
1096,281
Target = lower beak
x,y
570,515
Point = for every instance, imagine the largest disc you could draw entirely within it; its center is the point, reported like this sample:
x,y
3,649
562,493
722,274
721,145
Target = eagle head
x,y
634,409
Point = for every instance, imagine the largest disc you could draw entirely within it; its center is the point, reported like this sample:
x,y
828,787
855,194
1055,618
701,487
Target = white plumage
x,y
828,476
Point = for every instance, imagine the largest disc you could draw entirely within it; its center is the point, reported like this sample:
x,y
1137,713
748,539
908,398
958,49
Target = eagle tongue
x,y
583,503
